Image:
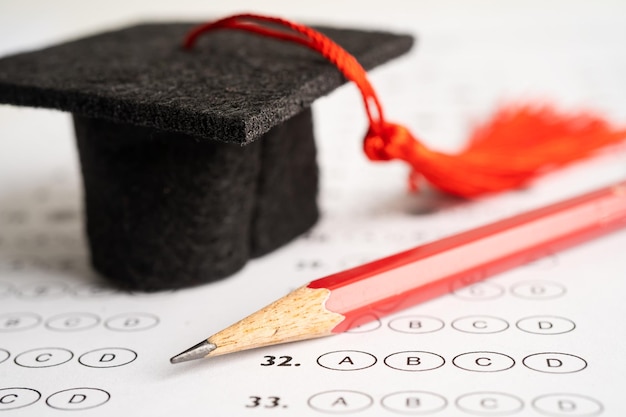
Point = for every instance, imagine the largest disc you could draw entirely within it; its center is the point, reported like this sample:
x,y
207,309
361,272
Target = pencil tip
x,y
195,352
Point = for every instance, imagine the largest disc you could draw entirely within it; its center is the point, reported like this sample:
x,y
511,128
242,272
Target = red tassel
x,y
509,151
517,145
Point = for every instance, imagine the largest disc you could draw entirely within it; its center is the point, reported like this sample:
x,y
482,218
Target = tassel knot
x,y
391,141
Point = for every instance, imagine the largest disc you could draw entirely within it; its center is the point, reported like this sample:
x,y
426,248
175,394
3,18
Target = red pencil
x,y
340,301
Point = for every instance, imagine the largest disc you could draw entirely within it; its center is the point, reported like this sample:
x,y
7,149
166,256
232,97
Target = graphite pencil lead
x,y
198,351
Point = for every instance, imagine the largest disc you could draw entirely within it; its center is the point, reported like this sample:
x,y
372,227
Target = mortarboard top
x,y
170,201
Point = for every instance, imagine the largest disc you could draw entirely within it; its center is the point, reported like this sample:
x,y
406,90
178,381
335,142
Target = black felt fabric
x,y
166,211
287,185
231,87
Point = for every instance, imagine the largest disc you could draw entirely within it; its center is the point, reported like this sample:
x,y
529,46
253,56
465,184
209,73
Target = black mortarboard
x,y
172,198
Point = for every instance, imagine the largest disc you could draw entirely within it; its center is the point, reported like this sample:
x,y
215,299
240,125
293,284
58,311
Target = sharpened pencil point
x,y
198,351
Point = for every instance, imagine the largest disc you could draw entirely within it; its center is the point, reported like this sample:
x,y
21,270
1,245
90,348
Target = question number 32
x,y
278,361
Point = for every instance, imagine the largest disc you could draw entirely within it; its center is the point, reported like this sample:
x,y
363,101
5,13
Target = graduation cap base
x,y
166,211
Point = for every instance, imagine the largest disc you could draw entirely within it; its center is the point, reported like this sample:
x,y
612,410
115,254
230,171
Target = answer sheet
x,y
545,339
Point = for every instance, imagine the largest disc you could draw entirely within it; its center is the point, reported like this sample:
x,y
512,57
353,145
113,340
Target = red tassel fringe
x,y
517,145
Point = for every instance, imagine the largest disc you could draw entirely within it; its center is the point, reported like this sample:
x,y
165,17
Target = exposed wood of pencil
x,y
299,315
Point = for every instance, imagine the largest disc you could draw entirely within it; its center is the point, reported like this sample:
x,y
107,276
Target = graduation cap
x,y
193,161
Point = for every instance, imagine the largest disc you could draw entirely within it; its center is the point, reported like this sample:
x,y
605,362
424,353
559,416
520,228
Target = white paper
x,y
544,339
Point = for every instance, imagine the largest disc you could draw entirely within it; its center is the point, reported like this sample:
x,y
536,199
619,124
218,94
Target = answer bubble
x,y
479,291
346,360
538,290
132,322
414,402
13,322
416,324
17,397
483,361
72,322
489,403
107,357
340,402
43,357
364,324
78,399
414,361
546,325
480,324
43,291
555,362
567,405
93,291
